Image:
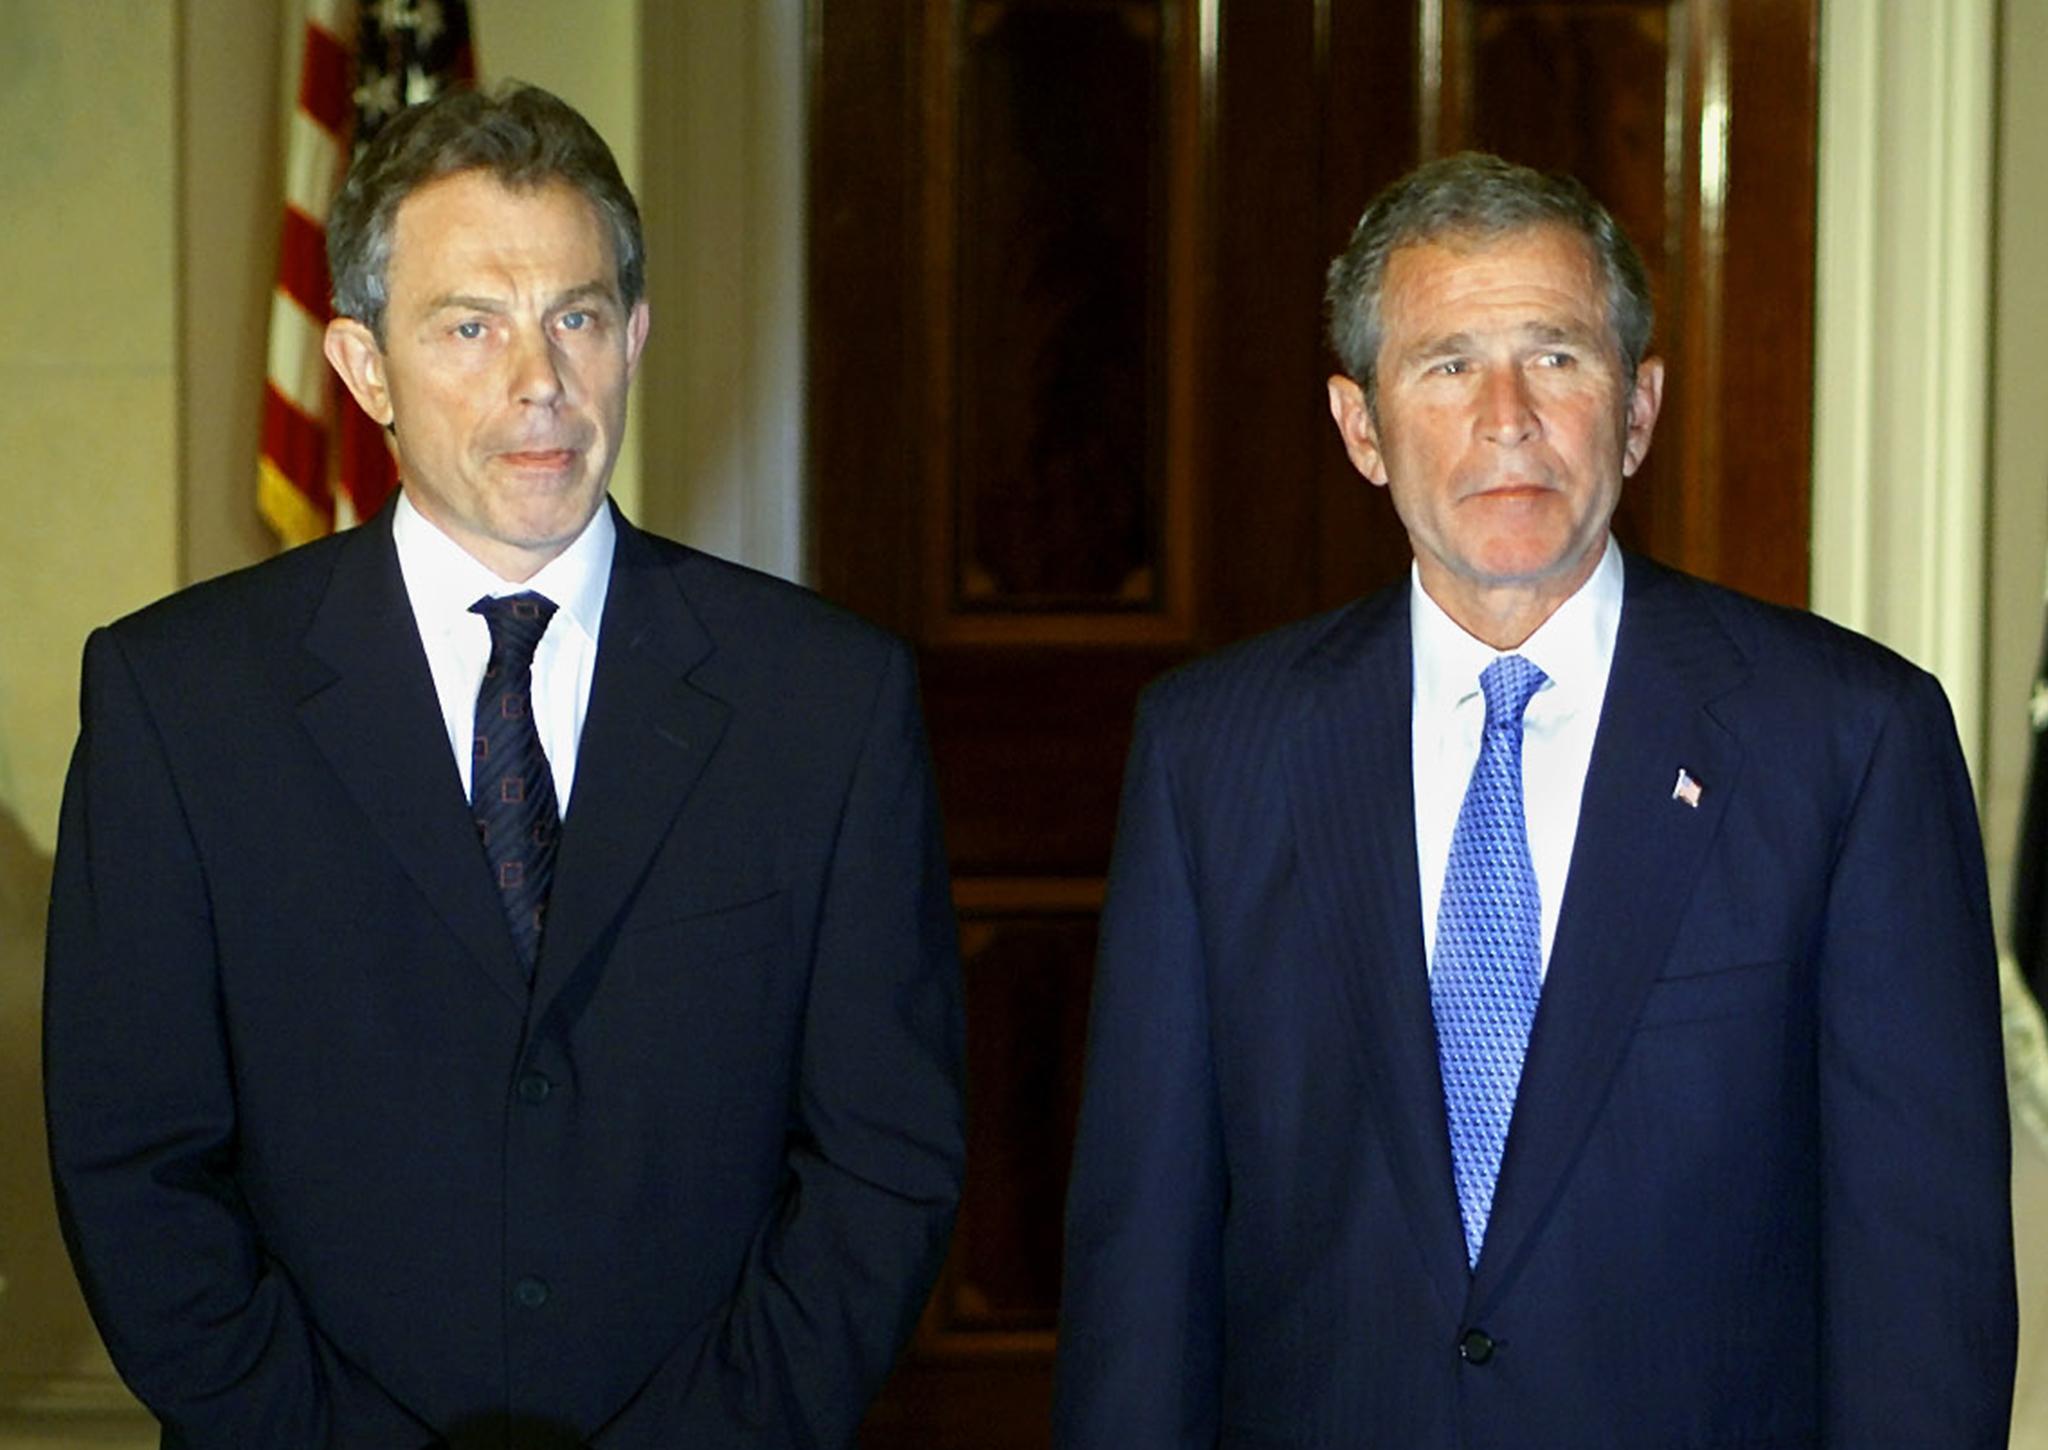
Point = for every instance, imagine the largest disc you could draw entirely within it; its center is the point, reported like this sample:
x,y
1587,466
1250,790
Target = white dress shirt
x,y
1575,648
442,580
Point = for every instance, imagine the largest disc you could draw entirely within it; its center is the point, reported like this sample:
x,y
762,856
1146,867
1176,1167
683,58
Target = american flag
x,y
324,463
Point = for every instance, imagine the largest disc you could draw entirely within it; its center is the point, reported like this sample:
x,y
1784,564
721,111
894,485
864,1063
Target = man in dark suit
x,y
1550,1003
501,986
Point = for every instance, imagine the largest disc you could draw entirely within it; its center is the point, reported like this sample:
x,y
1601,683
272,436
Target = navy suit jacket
x,y
1755,1191
333,1173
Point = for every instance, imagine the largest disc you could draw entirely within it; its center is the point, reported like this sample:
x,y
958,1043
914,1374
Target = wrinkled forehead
x,y
1543,278
476,213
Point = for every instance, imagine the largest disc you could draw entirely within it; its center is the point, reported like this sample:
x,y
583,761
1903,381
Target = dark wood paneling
x,y
1027,997
1030,751
1061,279
1369,81
998,1401
1262,423
1761,524
1056,159
861,361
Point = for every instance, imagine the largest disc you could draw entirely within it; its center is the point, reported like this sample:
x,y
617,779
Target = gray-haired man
x,y
1550,1003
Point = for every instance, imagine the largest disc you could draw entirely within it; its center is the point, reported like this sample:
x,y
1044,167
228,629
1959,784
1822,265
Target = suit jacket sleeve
x,y
138,1079
1140,1343
1918,1318
835,1279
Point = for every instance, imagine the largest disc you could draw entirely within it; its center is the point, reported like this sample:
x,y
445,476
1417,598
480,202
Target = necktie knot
x,y
517,621
1509,683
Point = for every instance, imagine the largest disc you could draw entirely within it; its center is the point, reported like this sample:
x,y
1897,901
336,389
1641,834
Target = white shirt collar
x,y
443,579
1574,647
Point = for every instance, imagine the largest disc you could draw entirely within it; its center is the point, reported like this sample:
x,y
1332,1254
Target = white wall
x,y
723,89
88,360
89,432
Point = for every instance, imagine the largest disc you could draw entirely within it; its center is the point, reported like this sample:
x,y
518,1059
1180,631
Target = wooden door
x,y
1067,428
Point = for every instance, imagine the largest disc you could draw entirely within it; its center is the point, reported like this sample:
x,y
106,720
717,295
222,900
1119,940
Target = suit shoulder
x,y
1261,681
779,650
208,616
1802,673
773,612
1780,639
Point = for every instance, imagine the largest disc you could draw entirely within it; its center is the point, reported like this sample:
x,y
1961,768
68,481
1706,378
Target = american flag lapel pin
x,y
1687,789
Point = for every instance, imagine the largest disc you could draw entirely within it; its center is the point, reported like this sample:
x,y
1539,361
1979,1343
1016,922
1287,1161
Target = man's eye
x,y
469,331
575,321
1556,360
1451,366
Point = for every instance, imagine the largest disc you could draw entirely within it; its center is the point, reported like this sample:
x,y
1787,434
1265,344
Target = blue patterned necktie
x,y
1489,950
512,789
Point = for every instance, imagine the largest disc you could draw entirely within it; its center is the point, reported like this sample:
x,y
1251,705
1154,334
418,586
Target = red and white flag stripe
x,y
295,488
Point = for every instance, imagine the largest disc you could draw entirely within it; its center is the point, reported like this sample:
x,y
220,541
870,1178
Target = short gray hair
x,y
520,134
1476,195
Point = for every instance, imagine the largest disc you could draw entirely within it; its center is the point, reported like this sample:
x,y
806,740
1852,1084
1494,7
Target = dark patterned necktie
x,y
1484,983
512,790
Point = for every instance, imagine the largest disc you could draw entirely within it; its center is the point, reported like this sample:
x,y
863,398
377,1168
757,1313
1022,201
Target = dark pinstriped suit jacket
x,y
1755,1193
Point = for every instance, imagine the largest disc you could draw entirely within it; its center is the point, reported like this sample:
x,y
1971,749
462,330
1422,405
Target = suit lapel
x,y
646,736
1637,855
368,702
1351,791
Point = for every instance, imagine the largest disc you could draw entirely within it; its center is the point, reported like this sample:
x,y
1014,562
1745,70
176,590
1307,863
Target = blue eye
x,y
469,331
575,321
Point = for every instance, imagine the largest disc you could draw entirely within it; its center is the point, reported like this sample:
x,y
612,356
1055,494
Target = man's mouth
x,y
539,457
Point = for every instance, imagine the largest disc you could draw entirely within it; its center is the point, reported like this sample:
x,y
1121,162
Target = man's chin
x,y
554,530
1522,562
541,532
1549,577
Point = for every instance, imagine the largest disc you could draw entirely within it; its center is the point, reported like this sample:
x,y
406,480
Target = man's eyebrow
x,y
1543,333
465,302
1442,345
584,292
470,302
1558,332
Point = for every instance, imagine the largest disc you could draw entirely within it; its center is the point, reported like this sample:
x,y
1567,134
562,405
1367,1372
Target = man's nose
x,y
1507,413
536,370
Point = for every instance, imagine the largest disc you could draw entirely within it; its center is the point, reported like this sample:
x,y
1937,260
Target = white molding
x,y
1901,387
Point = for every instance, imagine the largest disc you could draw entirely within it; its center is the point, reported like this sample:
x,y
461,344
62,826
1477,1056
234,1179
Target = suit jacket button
x,y
534,1087
1476,1347
530,1293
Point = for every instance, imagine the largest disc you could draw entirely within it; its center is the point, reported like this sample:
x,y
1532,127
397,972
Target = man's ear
x,y
1644,399
1356,427
636,335
352,351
